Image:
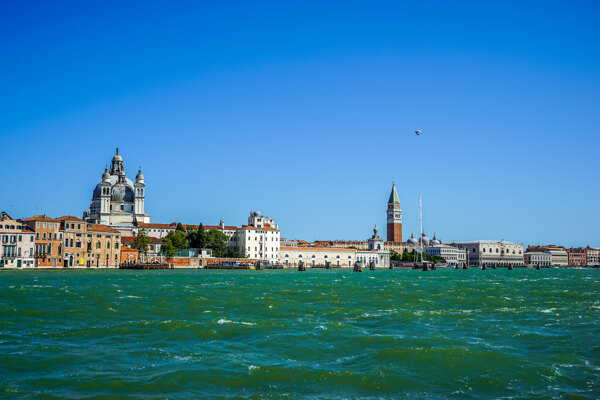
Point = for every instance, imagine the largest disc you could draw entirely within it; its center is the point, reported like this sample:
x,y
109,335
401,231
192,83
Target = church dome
x,y
412,240
105,175
139,176
122,192
435,240
424,239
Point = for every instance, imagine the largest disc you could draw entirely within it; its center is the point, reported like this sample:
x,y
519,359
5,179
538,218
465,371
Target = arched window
x,y
98,244
107,244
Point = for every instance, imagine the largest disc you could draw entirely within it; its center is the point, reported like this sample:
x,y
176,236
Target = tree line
x,y
182,238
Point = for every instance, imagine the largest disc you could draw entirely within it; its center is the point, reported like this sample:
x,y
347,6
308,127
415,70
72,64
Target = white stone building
x,y
591,256
499,253
537,259
558,254
117,201
453,255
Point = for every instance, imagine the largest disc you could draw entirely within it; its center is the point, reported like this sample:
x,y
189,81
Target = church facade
x,y
117,201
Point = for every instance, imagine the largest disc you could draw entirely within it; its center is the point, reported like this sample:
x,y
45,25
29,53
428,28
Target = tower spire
x,y
394,195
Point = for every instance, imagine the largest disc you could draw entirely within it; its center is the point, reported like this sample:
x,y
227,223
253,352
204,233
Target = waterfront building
x,y
577,256
73,230
537,258
17,243
116,200
317,256
558,254
453,255
591,256
154,248
394,217
129,255
48,241
102,246
499,253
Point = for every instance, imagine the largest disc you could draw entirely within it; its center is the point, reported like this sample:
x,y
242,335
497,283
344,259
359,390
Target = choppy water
x,y
315,334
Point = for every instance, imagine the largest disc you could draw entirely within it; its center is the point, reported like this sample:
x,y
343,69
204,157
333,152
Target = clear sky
x,y
306,111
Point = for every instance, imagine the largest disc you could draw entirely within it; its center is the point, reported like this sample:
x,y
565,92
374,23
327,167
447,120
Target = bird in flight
x,y
418,132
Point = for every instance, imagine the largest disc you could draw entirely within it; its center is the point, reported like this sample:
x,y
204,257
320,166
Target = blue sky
x,y
306,112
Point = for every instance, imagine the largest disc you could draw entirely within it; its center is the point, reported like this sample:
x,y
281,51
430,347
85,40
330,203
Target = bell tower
x,y
394,217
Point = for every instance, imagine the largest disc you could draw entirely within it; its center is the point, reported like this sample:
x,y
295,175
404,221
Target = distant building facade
x,y
17,243
453,255
48,241
498,253
577,256
558,254
538,259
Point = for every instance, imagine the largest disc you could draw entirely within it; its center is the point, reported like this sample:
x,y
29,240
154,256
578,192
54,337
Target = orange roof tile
x,y
69,218
42,217
100,228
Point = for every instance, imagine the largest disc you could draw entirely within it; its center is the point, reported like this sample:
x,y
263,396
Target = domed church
x,y
116,200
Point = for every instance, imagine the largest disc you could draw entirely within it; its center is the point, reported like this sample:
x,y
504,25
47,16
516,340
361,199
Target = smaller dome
x,y
424,239
105,175
256,213
435,240
117,157
139,176
412,240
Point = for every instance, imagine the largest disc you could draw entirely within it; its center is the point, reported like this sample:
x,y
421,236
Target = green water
x,y
285,334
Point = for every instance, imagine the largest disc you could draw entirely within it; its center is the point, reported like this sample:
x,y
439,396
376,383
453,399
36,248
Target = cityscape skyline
x,y
311,126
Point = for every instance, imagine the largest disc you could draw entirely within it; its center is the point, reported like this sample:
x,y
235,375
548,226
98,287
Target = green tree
x,y
141,242
168,249
180,227
178,239
394,256
197,238
217,241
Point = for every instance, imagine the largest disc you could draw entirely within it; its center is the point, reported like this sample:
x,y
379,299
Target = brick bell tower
x,y
394,217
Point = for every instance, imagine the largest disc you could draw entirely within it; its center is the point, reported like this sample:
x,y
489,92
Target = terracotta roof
x,y
265,228
226,227
100,228
42,217
330,249
151,225
129,239
69,218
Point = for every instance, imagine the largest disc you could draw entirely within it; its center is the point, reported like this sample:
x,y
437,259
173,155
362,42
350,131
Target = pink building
x,y
16,243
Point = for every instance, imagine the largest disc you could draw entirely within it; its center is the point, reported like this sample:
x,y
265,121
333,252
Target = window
x,y
98,244
44,235
44,224
37,225
20,238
